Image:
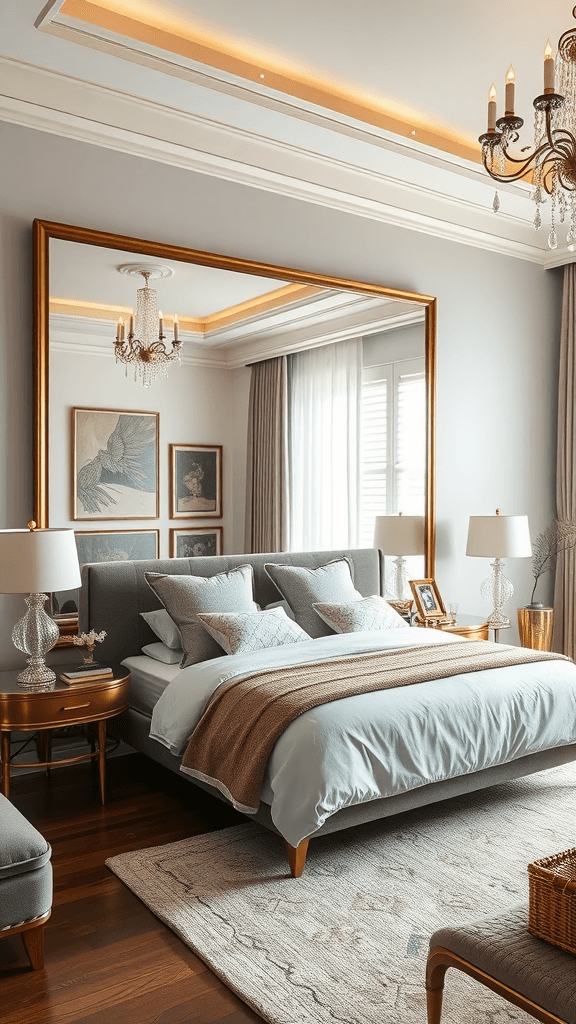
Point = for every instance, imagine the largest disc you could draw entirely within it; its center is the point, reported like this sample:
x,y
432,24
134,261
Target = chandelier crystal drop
x,y
551,162
144,348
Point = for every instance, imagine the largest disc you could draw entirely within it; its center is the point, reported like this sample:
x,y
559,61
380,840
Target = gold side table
x,y
78,704
535,628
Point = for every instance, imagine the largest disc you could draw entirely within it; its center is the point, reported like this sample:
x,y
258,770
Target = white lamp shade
x,y
399,535
499,537
38,561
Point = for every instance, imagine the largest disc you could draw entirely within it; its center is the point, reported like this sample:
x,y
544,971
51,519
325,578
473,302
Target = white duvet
x,y
380,744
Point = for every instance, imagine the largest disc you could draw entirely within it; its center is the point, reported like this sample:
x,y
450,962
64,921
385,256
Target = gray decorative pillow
x,y
165,628
237,632
354,616
280,604
302,587
160,652
185,596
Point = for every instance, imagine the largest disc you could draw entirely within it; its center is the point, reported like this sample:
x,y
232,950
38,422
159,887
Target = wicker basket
x,y
552,914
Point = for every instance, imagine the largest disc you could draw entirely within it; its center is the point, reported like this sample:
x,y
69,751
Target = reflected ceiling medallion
x,y
552,160
144,348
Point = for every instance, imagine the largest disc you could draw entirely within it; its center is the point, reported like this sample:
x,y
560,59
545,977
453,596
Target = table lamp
x,y
498,537
401,536
36,562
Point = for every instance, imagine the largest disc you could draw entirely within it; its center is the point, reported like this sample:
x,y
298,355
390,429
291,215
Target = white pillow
x,y
302,587
355,616
237,632
184,596
165,628
160,652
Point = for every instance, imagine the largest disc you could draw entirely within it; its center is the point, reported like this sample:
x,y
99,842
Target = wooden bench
x,y
500,953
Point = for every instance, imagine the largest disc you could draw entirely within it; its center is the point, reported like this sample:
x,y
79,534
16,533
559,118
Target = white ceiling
x,y
430,63
89,273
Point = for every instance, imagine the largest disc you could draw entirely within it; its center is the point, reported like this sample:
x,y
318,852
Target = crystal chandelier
x,y
144,348
552,161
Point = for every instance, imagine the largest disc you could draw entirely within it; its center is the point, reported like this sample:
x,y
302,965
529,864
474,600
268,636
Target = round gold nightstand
x,y
78,704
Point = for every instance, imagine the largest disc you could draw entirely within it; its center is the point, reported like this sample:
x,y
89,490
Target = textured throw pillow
x,y
165,628
302,587
185,596
280,604
160,652
354,616
237,632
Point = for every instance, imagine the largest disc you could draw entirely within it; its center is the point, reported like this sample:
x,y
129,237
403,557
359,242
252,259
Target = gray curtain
x,y
267,460
564,589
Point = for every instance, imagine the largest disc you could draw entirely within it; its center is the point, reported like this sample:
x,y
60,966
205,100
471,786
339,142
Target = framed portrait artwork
x,y
427,599
114,464
195,481
196,541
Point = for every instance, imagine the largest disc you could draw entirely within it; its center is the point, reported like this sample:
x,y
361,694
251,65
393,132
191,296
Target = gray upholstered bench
x,y
500,953
25,881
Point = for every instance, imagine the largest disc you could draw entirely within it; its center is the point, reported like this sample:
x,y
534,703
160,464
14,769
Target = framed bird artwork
x,y
115,464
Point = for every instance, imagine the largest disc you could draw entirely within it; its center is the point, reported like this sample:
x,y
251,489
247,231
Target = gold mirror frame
x,y
45,230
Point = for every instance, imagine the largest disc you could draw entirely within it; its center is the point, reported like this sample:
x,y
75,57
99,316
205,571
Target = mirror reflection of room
x,y
351,365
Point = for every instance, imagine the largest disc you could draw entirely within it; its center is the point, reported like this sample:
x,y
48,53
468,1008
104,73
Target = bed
x,y
327,772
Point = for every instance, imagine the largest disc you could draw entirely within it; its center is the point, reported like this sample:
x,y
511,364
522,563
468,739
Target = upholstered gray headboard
x,y
114,593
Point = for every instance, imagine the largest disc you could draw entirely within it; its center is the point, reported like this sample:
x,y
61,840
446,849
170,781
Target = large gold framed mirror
x,y
232,313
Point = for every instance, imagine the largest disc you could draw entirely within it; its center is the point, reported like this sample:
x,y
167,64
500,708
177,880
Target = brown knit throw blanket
x,y
232,742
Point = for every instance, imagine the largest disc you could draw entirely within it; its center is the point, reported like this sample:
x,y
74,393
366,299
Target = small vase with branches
x,y
559,536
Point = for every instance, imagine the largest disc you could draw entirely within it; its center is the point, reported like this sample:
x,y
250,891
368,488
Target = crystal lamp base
x,y
35,634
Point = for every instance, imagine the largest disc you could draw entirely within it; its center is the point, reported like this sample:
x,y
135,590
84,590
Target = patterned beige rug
x,y
347,943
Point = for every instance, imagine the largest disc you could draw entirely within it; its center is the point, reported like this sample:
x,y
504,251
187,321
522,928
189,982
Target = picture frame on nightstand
x,y
429,603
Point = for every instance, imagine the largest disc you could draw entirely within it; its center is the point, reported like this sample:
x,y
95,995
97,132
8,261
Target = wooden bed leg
x,y
297,857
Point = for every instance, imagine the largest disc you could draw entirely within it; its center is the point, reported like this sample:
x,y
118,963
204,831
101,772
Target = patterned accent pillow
x,y
185,596
160,652
355,616
237,633
165,628
301,587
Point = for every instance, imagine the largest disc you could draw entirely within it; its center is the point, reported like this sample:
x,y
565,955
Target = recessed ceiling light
x,y
413,133
261,76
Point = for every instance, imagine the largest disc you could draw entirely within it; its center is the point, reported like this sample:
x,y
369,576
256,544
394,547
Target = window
x,y
393,442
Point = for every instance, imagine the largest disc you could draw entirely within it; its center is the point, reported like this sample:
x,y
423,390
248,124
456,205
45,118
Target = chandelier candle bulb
x,y
161,323
548,68
131,334
492,109
175,326
510,78
119,330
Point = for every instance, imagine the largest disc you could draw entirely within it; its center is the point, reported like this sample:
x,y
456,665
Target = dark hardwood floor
x,y
108,960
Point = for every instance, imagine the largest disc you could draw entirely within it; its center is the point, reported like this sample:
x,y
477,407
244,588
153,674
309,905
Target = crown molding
x,y
453,203
96,340
90,336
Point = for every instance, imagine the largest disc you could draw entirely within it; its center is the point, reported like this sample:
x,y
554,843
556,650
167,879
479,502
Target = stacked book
x,y
86,674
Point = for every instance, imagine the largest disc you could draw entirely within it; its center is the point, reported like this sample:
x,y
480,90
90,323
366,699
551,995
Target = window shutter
x,y
374,456
410,441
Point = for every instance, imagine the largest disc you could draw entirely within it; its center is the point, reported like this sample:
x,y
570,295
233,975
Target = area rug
x,y
347,942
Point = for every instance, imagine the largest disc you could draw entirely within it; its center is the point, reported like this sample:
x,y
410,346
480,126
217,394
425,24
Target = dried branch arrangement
x,y
559,536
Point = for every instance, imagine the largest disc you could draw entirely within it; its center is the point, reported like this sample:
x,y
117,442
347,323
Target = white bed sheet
x,y
148,680
380,744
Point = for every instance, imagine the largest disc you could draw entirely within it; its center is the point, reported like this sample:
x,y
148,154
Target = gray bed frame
x,y
113,595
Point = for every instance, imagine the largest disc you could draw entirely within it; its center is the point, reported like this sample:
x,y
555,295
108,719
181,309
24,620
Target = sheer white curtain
x,y
324,446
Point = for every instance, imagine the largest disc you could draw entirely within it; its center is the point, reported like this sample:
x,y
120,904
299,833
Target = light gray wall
x,y
497,343
387,346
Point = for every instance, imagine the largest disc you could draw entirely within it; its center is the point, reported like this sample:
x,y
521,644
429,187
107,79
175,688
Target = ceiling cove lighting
x,y
552,160
144,348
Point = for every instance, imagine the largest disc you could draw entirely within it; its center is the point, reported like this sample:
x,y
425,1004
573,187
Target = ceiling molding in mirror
x,y
285,310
